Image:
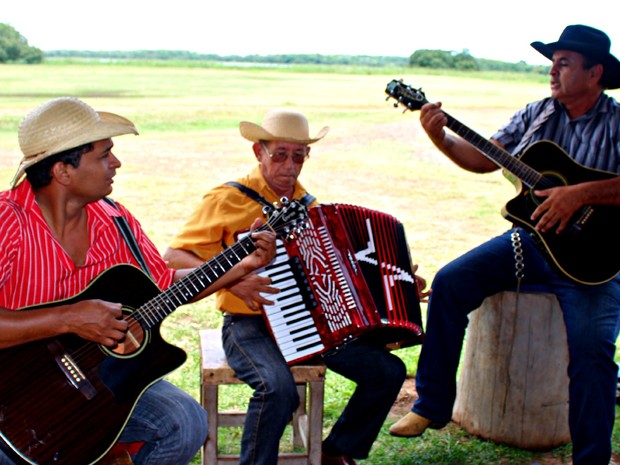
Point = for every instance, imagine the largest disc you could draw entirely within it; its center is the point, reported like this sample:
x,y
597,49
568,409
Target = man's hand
x,y
265,243
433,121
420,285
557,208
249,289
97,321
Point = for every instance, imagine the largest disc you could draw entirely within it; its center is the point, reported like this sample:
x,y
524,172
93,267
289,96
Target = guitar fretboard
x,y
155,310
529,176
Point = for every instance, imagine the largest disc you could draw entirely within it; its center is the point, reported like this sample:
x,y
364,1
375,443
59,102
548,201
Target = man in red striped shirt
x,y
57,234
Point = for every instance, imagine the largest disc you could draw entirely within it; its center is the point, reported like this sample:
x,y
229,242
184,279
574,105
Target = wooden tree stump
x,y
513,387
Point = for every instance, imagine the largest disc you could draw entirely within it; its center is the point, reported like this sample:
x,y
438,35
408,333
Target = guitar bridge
x,y
72,371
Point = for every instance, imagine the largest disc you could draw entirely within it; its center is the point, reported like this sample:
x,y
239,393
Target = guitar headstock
x,y
286,218
405,95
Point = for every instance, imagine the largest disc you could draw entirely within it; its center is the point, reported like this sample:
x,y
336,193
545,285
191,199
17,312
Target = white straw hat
x,y
281,124
62,124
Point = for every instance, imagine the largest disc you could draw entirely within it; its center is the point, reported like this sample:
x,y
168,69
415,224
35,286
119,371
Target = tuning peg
x,y
284,201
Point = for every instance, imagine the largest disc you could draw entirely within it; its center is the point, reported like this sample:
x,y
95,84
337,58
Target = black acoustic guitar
x,y
66,400
587,250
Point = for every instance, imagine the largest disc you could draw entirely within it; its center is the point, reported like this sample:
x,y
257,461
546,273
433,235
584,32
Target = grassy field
x,y
374,156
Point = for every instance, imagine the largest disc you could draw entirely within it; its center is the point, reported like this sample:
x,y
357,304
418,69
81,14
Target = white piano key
x,y
301,336
314,340
289,301
278,319
287,327
291,358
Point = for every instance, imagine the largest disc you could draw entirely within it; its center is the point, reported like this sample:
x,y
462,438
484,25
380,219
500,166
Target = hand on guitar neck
x,y
433,121
576,234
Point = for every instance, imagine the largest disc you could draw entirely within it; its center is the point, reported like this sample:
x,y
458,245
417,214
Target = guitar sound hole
x,y
134,338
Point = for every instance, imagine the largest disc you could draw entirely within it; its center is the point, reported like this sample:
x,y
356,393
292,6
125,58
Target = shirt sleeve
x,y
9,240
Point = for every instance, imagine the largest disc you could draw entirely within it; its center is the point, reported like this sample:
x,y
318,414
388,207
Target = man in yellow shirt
x,y
281,146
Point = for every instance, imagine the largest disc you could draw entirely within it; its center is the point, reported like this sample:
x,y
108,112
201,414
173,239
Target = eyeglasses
x,y
281,154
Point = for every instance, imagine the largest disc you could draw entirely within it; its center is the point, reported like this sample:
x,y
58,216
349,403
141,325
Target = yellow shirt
x,y
225,212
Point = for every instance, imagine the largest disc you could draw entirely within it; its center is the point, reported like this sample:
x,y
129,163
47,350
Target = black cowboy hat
x,y
591,43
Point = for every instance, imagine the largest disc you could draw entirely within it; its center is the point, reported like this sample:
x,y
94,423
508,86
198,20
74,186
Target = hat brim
x,y
110,125
255,133
611,65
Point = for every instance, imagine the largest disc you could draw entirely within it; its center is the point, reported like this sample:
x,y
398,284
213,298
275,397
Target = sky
x,y
486,29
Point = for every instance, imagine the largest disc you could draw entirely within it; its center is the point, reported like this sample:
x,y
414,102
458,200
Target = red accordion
x,y
347,275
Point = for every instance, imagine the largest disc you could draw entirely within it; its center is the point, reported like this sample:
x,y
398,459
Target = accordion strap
x,y
129,237
306,200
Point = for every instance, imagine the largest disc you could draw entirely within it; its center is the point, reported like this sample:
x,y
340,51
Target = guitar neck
x,y
155,310
529,176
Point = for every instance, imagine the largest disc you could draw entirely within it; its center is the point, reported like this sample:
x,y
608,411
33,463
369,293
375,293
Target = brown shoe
x,y
410,426
337,460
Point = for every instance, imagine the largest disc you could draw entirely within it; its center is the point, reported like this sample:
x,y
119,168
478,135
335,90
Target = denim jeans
x,y
169,421
256,359
379,376
591,315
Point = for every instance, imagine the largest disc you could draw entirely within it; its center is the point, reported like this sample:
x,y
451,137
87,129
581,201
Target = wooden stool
x,y
307,420
513,387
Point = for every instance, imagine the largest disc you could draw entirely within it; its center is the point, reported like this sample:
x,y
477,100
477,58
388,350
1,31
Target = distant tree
x,y
14,47
431,59
443,59
465,61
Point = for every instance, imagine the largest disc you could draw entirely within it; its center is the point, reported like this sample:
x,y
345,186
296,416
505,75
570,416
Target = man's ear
x,y
60,172
596,72
258,150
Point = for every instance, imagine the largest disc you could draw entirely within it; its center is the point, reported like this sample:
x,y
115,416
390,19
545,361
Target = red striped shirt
x,y
35,269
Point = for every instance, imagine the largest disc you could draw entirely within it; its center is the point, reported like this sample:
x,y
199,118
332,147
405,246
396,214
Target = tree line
x,y
14,48
443,59
436,59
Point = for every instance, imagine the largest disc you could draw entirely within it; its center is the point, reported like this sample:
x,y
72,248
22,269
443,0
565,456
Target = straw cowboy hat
x,y
62,124
591,43
281,124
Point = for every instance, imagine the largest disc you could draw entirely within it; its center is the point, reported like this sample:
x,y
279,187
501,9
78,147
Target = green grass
x,y
374,156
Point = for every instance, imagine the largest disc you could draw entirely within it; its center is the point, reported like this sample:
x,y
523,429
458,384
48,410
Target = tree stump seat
x,y
513,386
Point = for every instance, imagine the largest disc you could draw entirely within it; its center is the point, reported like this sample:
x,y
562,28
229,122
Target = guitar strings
x,y
51,351
142,319
155,310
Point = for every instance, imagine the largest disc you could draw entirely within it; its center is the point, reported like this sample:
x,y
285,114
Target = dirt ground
x,y
408,395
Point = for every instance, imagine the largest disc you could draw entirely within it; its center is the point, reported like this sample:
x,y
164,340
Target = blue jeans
x,y
169,421
256,359
591,315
